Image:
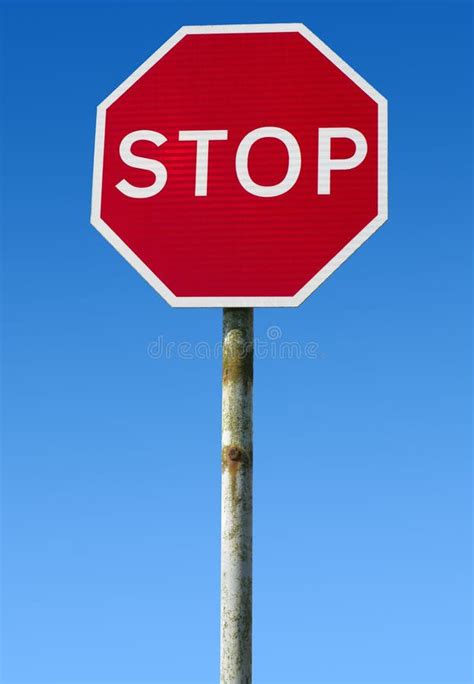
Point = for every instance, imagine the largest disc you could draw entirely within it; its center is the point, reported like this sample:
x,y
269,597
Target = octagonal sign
x,y
240,165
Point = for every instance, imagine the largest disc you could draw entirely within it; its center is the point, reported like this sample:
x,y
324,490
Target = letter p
x,y
326,164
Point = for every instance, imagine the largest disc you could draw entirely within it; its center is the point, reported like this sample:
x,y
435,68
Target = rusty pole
x,y
236,532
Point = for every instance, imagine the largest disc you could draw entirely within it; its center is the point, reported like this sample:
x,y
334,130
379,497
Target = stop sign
x,y
240,165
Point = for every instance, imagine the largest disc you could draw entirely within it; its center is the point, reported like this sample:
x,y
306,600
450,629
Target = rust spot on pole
x,y
238,363
232,455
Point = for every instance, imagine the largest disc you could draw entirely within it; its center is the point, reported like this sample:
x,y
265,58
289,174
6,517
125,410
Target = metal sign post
x,y
236,531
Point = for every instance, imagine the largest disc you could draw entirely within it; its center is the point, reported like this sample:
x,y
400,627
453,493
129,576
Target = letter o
x,y
294,161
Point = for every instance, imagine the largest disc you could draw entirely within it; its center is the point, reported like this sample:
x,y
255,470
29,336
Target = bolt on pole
x,y
236,523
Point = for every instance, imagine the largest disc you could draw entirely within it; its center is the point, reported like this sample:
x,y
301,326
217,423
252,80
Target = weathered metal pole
x,y
236,531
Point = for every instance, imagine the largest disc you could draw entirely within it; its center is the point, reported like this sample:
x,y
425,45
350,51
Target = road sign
x,y
240,165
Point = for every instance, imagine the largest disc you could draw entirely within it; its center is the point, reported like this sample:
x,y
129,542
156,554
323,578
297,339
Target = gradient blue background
x,y
111,463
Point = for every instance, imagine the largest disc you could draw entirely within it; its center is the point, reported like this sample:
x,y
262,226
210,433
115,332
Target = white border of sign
x,y
331,266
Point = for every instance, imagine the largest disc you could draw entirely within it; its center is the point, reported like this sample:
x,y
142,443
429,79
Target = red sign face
x,y
240,165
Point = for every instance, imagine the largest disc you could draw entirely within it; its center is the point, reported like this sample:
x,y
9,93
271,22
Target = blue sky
x,y
111,454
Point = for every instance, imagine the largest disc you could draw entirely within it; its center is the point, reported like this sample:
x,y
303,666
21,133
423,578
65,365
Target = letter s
x,y
137,162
